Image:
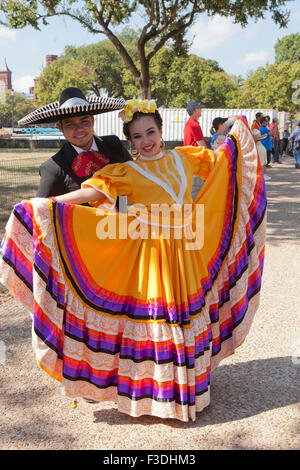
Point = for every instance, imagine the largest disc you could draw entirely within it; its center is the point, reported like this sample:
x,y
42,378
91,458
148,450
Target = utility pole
x,y
12,109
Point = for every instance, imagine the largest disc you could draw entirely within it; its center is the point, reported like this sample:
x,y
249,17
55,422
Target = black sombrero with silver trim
x,y
72,102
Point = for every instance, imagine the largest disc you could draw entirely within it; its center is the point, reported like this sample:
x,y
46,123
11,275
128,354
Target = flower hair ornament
x,y
135,106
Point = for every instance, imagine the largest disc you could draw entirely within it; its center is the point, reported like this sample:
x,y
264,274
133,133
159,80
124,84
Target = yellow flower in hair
x,y
135,106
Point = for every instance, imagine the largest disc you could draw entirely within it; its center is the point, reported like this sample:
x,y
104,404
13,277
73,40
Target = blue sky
x,y
236,49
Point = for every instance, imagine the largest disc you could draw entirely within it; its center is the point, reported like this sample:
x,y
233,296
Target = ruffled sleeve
x,y
201,159
112,181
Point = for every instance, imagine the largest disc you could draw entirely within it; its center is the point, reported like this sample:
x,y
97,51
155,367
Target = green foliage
x,y
106,66
177,80
22,106
273,86
217,90
62,73
165,22
287,49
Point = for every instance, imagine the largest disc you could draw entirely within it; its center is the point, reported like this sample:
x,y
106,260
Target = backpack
x,y
297,142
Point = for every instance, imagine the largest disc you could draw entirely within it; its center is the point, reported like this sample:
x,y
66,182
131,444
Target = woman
x,y
138,308
267,140
219,129
261,150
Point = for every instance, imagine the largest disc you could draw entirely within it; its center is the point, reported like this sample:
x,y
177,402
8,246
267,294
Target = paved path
x,y
254,393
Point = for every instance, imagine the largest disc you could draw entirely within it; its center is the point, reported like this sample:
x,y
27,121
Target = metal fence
x,y
19,180
174,121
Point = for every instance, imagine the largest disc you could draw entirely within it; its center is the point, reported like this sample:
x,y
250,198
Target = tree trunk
x,y
144,79
145,88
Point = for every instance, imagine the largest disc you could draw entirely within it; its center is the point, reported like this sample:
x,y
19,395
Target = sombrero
x,y
72,102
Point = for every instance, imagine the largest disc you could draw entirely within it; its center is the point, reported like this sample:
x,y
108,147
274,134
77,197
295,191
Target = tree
x,y
272,86
60,74
107,65
217,90
176,81
287,49
22,106
165,22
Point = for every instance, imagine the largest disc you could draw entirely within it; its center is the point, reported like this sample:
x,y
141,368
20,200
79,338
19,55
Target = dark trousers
x,y
284,145
269,156
276,150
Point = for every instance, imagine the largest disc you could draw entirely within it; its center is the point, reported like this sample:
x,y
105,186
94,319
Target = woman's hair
x,y
156,116
263,119
213,130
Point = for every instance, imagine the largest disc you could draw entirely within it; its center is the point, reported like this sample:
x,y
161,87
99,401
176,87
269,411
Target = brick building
x,y
49,59
5,79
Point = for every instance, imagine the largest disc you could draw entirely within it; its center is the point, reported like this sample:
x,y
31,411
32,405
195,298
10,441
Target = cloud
x,y
260,57
22,84
212,34
6,33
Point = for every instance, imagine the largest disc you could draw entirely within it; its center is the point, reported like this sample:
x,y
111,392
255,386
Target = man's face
x,y
197,113
78,130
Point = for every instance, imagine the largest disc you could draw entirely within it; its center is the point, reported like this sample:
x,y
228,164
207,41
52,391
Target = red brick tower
x,y
5,78
50,58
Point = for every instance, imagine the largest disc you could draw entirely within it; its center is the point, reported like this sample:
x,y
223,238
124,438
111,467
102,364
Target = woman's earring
x,y
133,152
162,144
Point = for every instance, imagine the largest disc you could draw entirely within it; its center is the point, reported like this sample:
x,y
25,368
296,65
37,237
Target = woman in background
x,y
261,151
220,127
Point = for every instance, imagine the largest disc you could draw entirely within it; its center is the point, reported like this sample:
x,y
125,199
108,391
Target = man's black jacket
x,y
57,176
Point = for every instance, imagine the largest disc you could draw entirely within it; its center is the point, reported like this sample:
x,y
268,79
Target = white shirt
x,y
94,147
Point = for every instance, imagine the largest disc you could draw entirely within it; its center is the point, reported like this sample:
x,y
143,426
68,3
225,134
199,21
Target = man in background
x,y
275,140
193,135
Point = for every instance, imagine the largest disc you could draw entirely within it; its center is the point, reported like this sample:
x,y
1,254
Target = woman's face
x,y
145,136
222,128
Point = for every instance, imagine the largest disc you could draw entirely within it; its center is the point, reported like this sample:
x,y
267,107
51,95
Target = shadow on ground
x,y
238,391
283,211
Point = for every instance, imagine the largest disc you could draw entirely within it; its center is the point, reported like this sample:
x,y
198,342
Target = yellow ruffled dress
x,y
139,307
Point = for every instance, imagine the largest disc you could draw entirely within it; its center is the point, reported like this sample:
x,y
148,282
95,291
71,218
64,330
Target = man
x,y
193,135
192,131
83,153
275,140
256,123
294,141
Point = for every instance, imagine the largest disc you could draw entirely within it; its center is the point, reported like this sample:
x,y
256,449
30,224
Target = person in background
x,y
294,141
256,122
285,140
267,140
193,135
219,129
261,151
275,141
